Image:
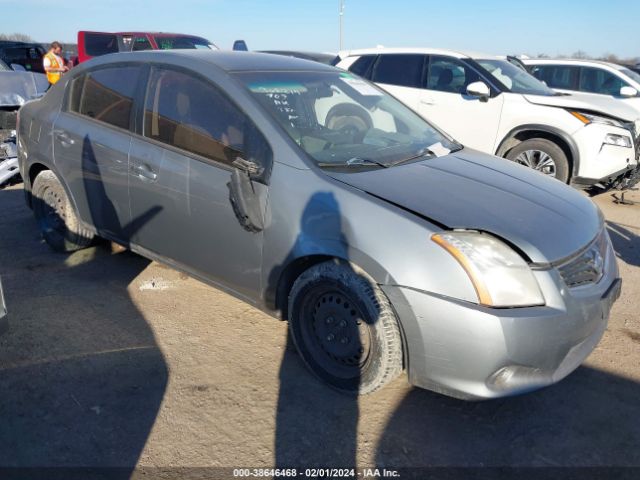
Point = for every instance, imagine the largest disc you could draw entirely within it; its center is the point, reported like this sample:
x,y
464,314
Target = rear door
x,y
91,146
445,102
181,168
401,75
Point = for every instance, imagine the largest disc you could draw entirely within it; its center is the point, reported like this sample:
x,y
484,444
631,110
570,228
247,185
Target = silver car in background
x,y
319,198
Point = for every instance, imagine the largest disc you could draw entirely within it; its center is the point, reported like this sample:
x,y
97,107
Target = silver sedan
x,y
317,197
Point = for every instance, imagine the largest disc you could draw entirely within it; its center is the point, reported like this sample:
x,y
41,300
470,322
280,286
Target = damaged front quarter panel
x,y
17,88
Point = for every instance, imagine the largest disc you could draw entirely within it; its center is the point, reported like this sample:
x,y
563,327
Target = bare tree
x,y
580,55
18,37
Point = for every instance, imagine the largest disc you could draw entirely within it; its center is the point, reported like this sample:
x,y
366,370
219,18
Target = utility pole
x,y
341,15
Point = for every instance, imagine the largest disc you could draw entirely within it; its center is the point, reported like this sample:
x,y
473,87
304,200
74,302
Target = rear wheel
x,y
55,214
542,155
344,328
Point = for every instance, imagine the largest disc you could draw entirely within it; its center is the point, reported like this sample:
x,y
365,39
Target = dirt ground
x,y
112,360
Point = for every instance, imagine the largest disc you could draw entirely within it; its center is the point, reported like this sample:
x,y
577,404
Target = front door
x,y
91,146
180,176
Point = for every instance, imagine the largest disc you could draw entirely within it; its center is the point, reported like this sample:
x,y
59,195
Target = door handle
x,y
65,139
427,101
144,171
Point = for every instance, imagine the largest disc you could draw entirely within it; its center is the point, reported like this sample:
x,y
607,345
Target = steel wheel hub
x,y
537,160
340,330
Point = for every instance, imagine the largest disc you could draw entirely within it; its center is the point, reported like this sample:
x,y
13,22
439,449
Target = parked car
x,y
95,44
27,55
17,88
597,79
492,105
385,248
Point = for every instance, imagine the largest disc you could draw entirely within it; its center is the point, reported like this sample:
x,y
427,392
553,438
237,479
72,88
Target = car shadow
x,y
588,419
81,374
626,242
316,426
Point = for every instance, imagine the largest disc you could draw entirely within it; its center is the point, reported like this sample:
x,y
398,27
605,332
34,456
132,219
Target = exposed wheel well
x,y
519,137
34,170
289,276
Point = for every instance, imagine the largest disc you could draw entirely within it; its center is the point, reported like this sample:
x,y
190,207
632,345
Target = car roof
x,y
419,50
230,61
570,61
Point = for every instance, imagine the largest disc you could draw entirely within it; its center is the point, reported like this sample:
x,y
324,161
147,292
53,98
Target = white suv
x,y
493,106
589,77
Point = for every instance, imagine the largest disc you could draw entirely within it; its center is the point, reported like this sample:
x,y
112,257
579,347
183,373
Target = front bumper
x,y
473,352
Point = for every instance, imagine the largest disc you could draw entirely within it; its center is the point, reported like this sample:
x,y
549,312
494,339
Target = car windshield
x,y
342,121
631,74
514,79
183,43
4,67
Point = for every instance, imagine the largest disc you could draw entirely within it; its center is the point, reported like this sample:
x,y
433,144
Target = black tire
x,y
335,299
559,158
56,216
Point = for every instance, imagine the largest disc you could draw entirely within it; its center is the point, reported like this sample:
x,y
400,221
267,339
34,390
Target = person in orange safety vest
x,y
53,63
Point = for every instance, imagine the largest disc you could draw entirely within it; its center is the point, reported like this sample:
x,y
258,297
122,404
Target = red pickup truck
x,y
94,44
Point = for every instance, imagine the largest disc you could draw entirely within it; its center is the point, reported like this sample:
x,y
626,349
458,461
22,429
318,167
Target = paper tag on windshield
x,y
439,150
360,86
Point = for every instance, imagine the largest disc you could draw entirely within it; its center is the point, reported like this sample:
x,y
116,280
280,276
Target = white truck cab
x,y
493,106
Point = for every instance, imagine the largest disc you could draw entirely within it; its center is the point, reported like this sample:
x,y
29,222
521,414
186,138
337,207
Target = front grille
x,y
588,267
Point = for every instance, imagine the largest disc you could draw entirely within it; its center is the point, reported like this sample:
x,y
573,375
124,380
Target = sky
x,y
559,27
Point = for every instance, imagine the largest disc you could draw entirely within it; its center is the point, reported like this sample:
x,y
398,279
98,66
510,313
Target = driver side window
x,y
190,114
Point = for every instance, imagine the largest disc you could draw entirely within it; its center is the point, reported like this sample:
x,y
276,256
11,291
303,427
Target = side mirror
x,y
17,67
628,92
479,90
244,198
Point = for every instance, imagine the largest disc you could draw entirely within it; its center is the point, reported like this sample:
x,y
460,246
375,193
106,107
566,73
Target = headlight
x,y
588,118
618,140
499,275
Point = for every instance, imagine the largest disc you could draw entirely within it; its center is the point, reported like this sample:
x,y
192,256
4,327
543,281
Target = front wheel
x,y
542,155
344,328
56,216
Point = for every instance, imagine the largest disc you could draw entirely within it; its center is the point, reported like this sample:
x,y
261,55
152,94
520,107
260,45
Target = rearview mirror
x,y
628,92
17,67
479,90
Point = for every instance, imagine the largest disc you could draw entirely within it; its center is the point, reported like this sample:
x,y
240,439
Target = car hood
x,y
606,106
17,88
544,218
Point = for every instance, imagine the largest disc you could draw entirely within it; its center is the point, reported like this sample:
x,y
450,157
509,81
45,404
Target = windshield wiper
x,y
422,153
357,161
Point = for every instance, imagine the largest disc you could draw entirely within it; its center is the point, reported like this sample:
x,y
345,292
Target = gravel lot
x,y
112,360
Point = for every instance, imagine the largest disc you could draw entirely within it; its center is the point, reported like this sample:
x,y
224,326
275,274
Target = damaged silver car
x,y
315,196
16,88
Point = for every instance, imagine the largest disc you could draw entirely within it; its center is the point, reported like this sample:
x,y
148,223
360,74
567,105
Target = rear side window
x,y
96,44
106,95
448,74
189,113
362,65
404,70
557,76
595,80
